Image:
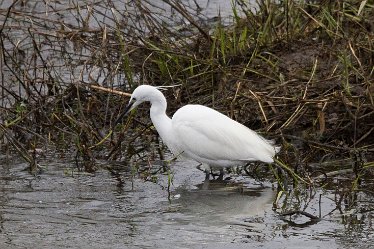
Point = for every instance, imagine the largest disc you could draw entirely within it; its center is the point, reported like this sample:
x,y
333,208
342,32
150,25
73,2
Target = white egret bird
x,y
203,134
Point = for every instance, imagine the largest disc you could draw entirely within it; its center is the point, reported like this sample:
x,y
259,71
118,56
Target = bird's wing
x,y
209,134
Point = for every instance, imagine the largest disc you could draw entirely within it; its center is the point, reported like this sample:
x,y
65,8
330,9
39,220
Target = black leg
x,y
220,177
207,174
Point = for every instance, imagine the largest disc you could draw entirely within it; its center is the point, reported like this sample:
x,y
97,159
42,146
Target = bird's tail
x,y
276,148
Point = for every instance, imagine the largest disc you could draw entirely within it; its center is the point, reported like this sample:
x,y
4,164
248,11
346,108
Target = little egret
x,y
203,134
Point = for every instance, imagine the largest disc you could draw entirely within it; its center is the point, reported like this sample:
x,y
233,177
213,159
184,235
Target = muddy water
x,y
65,209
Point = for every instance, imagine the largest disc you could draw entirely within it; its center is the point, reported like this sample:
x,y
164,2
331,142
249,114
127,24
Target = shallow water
x,y
58,209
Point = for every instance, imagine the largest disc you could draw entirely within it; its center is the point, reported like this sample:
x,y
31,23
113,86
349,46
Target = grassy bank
x,y
301,72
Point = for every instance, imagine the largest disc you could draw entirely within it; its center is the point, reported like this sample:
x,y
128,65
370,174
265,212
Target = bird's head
x,y
142,93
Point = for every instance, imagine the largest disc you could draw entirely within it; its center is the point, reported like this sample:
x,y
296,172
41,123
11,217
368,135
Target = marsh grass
x,y
299,71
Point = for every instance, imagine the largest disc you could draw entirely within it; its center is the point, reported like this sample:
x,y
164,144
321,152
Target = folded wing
x,y
204,132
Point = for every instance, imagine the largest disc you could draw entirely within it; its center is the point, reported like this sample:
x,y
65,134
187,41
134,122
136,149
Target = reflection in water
x,y
58,210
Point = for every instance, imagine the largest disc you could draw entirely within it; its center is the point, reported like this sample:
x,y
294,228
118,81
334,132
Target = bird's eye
x,y
133,99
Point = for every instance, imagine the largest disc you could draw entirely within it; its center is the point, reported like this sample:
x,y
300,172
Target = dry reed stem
x,y
108,90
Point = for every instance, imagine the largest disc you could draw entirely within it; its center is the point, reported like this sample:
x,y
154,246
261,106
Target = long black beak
x,y
125,112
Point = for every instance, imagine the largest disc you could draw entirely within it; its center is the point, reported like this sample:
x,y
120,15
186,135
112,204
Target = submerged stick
x,y
293,212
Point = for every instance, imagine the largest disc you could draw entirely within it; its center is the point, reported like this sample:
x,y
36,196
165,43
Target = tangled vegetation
x,y
300,71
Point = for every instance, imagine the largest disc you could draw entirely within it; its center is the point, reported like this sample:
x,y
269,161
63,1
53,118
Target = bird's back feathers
x,y
210,135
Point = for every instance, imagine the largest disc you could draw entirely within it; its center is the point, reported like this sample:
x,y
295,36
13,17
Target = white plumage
x,y
203,134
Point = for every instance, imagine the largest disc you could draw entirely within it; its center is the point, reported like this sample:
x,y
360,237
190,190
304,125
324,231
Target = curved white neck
x,y
160,120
